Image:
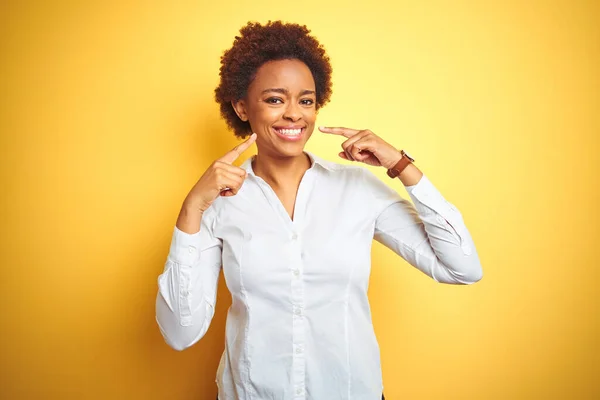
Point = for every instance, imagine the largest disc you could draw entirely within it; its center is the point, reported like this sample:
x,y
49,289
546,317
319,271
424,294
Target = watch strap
x,y
400,166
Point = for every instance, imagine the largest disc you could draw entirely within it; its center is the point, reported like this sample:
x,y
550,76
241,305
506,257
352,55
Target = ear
x,y
240,109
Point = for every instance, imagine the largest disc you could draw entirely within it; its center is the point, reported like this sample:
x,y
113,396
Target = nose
x,y
292,112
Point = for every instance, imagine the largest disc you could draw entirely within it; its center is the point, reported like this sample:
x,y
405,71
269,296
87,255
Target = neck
x,y
281,171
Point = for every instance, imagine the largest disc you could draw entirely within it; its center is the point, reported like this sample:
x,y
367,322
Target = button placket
x,y
298,303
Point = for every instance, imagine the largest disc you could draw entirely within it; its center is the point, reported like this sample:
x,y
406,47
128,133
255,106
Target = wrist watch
x,y
400,165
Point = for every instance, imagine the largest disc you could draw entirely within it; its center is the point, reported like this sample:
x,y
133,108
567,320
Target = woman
x,y
293,233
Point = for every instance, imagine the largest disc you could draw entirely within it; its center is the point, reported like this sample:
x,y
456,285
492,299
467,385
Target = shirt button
x,y
296,273
298,311
299,391
298,350
191,249
295,236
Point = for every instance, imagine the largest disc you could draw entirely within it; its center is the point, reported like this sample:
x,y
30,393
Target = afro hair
x,y
259,44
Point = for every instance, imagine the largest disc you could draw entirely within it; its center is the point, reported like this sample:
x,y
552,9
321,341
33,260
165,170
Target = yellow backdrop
x,y
108,119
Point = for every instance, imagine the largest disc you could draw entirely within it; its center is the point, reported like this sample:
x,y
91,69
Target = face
x,y
281,107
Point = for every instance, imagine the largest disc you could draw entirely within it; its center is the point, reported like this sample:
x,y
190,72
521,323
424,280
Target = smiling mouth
x,y
289,133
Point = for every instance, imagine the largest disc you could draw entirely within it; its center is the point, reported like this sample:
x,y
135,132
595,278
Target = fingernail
x,y
322,127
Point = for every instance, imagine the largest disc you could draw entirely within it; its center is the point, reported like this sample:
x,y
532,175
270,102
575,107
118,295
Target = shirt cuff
x,y
425,196
185,247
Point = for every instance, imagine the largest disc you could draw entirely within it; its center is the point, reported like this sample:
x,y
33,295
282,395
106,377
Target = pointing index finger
x,y
237,151
346,132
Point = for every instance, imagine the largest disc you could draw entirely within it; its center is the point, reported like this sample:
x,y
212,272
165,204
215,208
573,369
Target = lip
x,y
294,138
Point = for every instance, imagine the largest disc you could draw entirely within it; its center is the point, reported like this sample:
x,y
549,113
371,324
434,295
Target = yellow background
x,y
108,119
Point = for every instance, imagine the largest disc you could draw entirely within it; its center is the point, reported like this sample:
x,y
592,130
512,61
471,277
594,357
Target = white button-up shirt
x,y
299,326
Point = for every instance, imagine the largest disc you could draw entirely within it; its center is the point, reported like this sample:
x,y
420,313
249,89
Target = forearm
x,y
448,237
448,257
429,243
189,218
183,313
429,232
187,287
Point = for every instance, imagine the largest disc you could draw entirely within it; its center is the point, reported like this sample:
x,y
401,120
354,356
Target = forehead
x,y
293,75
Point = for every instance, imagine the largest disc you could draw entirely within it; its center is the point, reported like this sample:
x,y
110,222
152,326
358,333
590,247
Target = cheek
x,y
266,114
310,115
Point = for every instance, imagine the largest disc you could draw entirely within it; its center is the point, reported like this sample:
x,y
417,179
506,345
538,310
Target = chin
x,y
290,150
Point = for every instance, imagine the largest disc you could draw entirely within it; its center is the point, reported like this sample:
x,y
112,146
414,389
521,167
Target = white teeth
x,y
290,132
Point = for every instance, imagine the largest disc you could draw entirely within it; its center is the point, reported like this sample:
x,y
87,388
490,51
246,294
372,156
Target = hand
x,y
220,179
366,147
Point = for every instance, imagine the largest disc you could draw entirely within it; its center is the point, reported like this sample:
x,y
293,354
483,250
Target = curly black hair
x,y
259,44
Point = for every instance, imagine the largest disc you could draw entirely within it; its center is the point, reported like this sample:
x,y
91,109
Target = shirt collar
x,y
315,160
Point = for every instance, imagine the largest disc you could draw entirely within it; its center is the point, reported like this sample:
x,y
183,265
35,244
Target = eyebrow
x,y
287,92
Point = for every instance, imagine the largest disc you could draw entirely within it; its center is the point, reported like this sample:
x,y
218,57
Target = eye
x,y
274,100
307,102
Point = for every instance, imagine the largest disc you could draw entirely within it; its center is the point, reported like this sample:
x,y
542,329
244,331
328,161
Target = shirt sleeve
x,y
430,235
187,288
